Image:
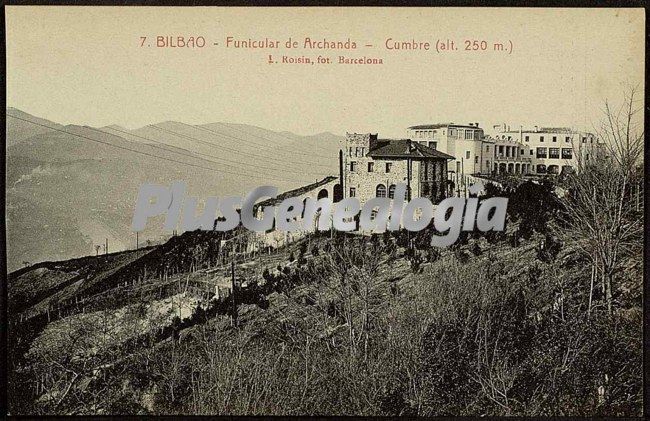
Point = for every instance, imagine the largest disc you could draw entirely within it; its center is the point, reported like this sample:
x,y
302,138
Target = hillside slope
x,y
332,327
70,188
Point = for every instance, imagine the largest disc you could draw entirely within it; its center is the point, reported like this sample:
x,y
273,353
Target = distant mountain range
x,y
69,187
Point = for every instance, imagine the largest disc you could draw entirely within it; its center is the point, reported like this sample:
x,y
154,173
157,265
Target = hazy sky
x,y
84,65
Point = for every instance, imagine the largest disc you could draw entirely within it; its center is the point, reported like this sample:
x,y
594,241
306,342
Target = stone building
x,y
372,167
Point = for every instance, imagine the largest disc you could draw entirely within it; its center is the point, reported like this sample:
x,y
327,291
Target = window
x,y
353,192
391,191
381,191
356,151
350,150
567,139
541,152
371,166
469,134
476,159
527,138
554,153
541,138
554,138
353,166
584,140
521,151
487,148
388,166
531,151
433,145
468,154
541,169
567,153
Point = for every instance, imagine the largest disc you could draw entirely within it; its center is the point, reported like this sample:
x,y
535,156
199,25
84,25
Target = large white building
x,y
545,150
553,149
463,142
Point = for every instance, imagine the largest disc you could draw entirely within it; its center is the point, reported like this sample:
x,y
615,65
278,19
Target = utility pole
x,y
341,174
234,302
408,179
106,247
462,169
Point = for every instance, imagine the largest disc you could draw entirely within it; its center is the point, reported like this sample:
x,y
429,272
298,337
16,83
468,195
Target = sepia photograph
x,y
324,211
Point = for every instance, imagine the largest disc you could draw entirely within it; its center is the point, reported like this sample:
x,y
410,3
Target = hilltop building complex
x,y
538,151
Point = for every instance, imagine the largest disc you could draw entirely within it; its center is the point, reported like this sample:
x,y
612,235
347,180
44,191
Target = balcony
x,y
502,158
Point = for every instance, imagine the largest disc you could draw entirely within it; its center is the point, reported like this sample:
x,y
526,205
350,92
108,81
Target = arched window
x,y
391,191
381,190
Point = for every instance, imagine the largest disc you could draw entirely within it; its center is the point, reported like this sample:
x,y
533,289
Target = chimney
x,y
476,124
536,129
372,141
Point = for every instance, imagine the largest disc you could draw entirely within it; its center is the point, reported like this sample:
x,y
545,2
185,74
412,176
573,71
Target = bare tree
x,y
603,220
352,272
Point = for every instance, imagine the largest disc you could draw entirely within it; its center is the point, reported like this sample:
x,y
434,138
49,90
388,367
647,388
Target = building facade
x,y
538,151
503,156
462,142
553,150
373,167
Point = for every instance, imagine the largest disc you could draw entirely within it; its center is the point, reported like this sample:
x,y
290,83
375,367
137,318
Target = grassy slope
x,y
412,345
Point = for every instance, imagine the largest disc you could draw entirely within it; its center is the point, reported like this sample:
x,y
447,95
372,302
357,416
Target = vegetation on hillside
x,y
544,318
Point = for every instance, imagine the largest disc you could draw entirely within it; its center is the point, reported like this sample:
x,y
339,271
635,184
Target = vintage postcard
x,y
324,211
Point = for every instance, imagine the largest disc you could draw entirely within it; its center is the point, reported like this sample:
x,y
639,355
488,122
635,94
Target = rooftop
x,y
566,130
404,148
441,125
295,192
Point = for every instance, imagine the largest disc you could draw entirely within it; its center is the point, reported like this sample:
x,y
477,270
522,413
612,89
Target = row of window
x,y
380,191
464,134
554,153
461,133
542,152
358,151
427,133
371,166
501,151
567,139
